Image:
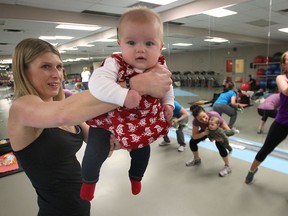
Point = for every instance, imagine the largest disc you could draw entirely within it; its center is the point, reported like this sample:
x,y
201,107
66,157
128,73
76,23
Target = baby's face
x,y
212,125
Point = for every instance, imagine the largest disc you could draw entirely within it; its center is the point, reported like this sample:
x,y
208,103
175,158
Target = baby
x,y
218,133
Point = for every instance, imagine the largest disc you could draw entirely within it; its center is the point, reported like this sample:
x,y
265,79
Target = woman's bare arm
x,y
31,111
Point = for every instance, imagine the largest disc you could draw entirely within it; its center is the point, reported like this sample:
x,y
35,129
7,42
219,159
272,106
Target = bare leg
x,y
254,165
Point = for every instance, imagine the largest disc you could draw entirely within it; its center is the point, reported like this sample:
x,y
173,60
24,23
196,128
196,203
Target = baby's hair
x,y
140,14
215,119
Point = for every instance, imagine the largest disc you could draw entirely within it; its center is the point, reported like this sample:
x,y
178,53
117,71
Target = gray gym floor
x,y
169,188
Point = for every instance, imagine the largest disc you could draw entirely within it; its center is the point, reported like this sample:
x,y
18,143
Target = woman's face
x,y
45,74
203,117
285,63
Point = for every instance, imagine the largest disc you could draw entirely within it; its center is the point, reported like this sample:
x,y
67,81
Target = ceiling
x,y
183,22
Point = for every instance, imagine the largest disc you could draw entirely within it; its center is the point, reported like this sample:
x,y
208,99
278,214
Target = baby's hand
x,y
132,99
168,111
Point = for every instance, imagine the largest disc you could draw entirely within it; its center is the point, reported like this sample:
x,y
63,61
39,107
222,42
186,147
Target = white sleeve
x,y
169,97
103,83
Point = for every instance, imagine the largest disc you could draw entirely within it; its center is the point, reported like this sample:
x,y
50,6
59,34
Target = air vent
x,y
285,11
174,23
13,30
100,13
261,23
144,4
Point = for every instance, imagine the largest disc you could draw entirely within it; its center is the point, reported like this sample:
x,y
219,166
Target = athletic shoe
x,y
163,143
193,162
250,176
225,171
236,131
181,148
260,131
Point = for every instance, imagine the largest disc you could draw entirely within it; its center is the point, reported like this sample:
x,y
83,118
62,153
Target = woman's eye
x,y
60,67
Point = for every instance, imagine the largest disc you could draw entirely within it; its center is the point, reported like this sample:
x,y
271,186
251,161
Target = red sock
x,y
135,186
87,191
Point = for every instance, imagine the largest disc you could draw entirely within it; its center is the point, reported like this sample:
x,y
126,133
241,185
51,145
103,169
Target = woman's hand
x,y
154,82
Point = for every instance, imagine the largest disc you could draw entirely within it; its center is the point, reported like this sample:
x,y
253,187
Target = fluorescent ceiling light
x,y
72,48
219,12
117,52
106,40
6,61
56,37
182,44
216,40
79,27
159,2
87,45
283,30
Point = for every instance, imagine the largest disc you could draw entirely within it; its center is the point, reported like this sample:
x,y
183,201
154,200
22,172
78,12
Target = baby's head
x,y
140,37
214,123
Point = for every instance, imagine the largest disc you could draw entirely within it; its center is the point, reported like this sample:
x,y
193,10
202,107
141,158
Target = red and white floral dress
x,y
137,127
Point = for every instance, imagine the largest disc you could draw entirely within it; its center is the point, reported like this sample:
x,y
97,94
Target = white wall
x,y
214,60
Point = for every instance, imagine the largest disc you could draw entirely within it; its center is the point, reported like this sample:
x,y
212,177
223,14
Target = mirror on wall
x,y
197,42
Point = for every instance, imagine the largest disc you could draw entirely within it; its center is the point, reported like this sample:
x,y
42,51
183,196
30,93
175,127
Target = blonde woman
x,y
46,131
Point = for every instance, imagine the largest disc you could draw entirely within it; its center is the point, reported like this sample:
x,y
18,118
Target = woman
x,y
200,132
279,128
268,108
227,103
42,129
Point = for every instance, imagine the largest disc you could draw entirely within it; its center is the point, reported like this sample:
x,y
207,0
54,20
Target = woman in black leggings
x,y
200,132
279,129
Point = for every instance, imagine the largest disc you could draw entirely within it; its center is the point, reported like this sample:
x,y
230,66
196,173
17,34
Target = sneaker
x,y
225,171
260,131
236,131
163,143
250,176
193,162
181,148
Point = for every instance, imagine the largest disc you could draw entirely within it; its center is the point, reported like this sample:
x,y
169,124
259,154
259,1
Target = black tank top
x,y
53,169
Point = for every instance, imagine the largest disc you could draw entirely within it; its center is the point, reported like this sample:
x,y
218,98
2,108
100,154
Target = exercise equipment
x,y
245,86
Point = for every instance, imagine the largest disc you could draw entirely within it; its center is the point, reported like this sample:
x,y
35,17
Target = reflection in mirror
x,y
215,56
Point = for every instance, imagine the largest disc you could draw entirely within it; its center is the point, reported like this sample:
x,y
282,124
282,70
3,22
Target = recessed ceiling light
x,y
106,40
219,12
56,37
182,44
86,45
79,27
283,30
216,40
159,2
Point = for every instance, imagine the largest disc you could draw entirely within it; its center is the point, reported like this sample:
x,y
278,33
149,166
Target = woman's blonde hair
x,y
283,61
141,14
25,52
